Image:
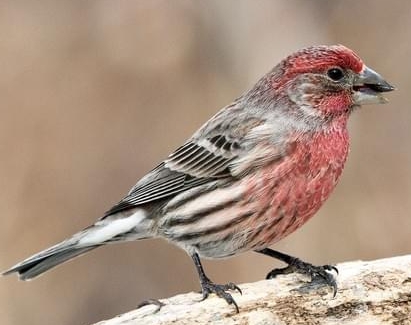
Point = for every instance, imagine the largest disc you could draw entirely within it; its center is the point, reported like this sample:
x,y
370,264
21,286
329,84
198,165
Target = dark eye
x,y
335,74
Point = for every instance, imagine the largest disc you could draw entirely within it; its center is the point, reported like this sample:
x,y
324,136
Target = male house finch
x,y
251,175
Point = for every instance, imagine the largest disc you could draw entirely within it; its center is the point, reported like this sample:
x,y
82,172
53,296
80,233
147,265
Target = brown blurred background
x,y
96,93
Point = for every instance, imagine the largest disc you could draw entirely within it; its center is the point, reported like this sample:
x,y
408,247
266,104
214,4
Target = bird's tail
x,y
45,260
107,230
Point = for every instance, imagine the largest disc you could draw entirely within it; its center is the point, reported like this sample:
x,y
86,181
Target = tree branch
x,y
374,292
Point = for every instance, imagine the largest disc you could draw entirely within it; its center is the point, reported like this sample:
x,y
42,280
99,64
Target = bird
x,y
255,172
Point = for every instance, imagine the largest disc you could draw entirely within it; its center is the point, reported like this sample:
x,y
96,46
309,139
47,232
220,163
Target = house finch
x,y
251,175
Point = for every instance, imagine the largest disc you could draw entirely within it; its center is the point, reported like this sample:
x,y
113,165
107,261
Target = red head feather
x,y
319,58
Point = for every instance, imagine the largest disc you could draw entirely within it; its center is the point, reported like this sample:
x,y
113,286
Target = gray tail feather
x,y
107,230
42,262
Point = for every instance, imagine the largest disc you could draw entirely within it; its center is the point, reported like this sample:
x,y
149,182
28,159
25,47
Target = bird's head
x,y
328,80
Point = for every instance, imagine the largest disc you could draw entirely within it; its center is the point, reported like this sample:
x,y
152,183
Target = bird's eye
x,y
335,74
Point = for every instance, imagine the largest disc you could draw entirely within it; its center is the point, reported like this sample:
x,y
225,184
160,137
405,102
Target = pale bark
x,y
374,292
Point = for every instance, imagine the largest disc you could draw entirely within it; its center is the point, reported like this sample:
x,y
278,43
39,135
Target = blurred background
x,y
95,93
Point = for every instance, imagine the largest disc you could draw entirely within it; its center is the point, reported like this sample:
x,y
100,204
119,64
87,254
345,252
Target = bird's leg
x,y
297,265
207,286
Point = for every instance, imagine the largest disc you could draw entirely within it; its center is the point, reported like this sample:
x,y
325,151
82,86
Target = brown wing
x,y
191,165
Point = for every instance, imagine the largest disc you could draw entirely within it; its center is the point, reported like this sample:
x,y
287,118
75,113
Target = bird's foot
x,y
313,271
154,302
221,291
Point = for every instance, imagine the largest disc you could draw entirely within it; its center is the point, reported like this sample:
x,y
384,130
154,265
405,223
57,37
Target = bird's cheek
x,y
336,103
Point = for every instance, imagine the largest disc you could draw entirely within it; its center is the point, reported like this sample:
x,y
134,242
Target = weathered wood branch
x,y
375,292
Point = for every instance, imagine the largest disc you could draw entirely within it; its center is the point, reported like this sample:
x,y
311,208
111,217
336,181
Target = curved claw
x,y
331,268
329,279
335,290
230,300
233,286
221,291
155,302
310,270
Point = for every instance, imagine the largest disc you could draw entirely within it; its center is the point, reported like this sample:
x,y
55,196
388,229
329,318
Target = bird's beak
x,y
369,86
